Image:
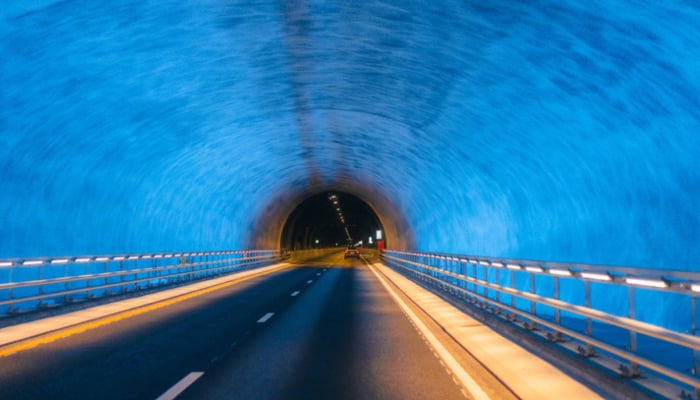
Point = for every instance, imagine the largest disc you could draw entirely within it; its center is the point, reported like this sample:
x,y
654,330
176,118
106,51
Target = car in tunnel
x,y
351,252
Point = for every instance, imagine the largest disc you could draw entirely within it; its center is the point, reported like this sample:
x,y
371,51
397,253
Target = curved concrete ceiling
x,y
551,130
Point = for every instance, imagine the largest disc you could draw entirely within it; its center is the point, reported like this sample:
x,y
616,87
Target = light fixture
x,y
60,261
6,264
695,287
533,269
102,259
647,282
560,272
596,277
498,264
33,262
514,267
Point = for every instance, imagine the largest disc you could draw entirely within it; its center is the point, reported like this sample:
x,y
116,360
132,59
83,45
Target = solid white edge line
x,y
265,317
465,379
180,387
296,293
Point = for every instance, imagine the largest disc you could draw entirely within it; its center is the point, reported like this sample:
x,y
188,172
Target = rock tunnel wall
x,y
548,130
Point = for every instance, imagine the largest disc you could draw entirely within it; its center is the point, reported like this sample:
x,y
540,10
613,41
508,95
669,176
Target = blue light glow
x,y
553,130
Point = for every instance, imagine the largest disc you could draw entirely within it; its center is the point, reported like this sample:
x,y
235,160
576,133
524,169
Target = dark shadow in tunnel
x,y
330,219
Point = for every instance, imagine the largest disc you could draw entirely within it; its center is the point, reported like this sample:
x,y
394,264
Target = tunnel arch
x,y
267,229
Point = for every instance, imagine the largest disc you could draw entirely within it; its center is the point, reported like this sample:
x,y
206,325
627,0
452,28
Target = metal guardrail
x,y
528,292
28,284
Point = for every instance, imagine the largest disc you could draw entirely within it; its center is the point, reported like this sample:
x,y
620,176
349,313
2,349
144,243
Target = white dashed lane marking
x,y
180,387
309,281
295,294
265,317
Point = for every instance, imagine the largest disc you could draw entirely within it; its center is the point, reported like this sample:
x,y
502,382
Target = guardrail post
x,y
694,332
533,305
631,311
557,312
41,287
105,270
512,286
498,282
11,295
589,322
66,297
122,289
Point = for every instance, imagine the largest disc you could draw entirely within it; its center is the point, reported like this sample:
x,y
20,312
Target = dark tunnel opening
x,y
331,219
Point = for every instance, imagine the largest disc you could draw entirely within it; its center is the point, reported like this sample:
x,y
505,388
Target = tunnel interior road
x,y
305,332
331,219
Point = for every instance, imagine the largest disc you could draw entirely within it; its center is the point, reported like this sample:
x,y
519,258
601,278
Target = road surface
x,y
326,329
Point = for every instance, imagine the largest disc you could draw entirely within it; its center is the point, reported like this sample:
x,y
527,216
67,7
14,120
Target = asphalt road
x,y
326,330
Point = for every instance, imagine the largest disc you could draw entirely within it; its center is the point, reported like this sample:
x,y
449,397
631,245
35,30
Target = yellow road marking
x,y
101,321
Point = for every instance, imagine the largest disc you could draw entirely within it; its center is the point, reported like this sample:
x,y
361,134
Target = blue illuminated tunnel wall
x,y
556,130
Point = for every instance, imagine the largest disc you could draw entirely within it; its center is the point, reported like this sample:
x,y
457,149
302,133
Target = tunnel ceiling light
x,y
33,262
102,259
119,258
533,269
514,266
484,263
560,272
6,264
83,259
60,261
647,282
694,287
595,277
497,264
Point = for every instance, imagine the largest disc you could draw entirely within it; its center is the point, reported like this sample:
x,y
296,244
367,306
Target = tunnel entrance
x,y
331,219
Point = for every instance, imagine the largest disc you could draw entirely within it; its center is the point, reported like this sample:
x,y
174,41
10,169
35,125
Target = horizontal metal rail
x,y
459,274
35,261
17,285
107,275
677,281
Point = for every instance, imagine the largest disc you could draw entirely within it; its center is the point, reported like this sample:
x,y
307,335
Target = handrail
x,y
461,274
677,281
30,283
19,283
